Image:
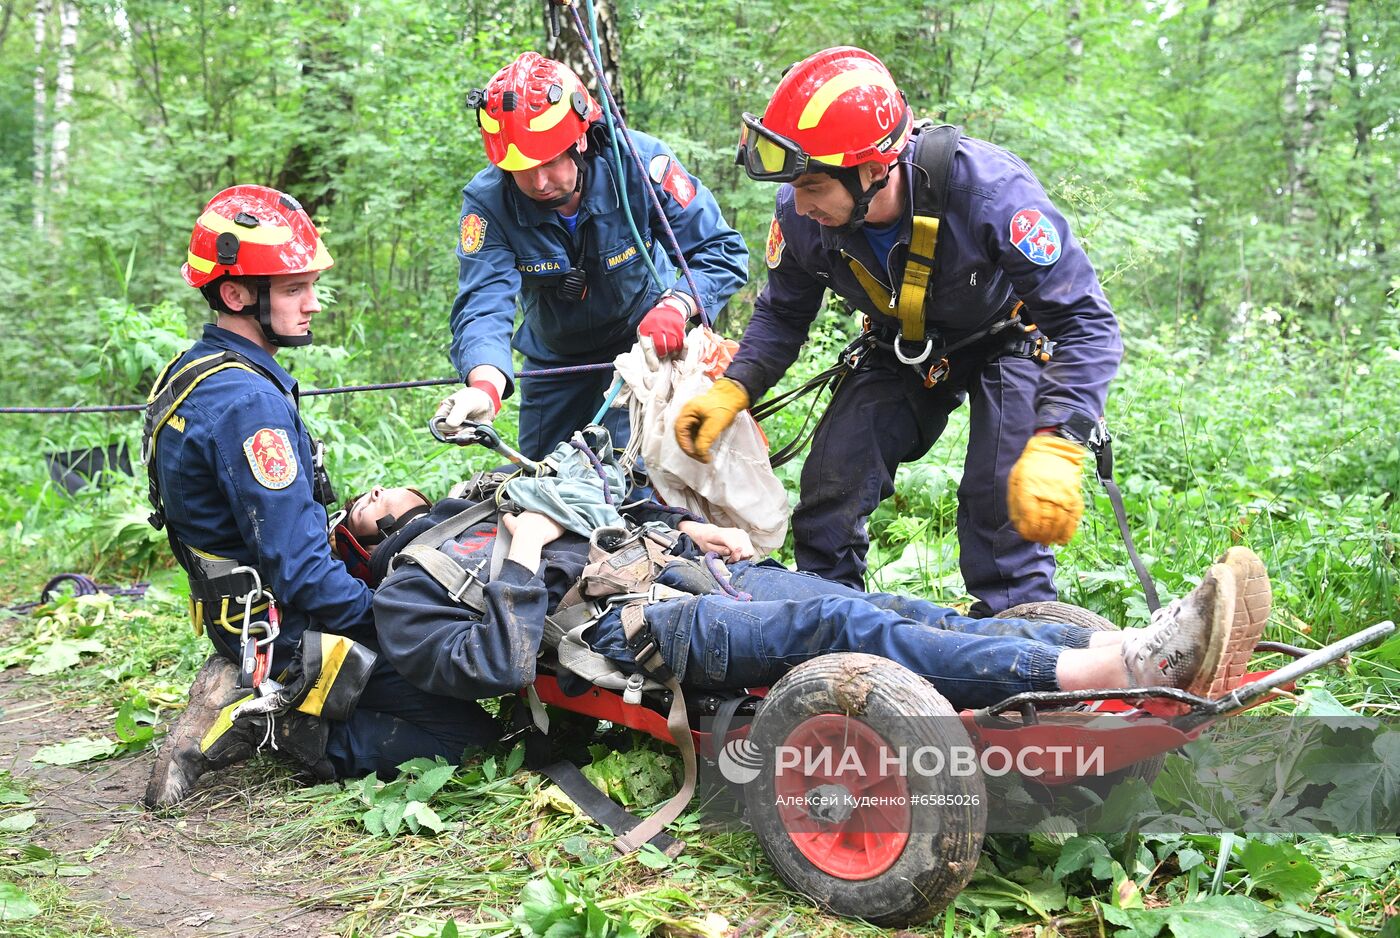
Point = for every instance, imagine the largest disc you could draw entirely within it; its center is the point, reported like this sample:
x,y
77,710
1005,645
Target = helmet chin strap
x,y
578,181
265,320
849,177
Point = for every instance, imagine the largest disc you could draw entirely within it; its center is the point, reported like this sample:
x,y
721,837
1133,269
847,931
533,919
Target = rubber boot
x,y
205,737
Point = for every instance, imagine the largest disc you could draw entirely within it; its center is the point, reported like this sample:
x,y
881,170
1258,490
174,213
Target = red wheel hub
x,y
845,804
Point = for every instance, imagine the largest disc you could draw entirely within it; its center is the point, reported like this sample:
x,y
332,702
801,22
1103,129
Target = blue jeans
x,y
718,642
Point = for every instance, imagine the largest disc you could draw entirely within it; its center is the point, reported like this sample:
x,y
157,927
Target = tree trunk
x,y
1324,74
5,24
1362,129
63,96
568,48
1074,41
41,21
1196,284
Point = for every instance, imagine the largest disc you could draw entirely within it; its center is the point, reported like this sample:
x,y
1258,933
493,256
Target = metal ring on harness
x,y
928,349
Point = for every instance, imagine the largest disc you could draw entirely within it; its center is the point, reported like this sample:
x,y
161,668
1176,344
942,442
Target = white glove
x,y
468,404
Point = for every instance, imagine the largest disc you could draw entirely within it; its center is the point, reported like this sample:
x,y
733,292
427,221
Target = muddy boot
x,y
205,737
301,740
1253,600
1185,644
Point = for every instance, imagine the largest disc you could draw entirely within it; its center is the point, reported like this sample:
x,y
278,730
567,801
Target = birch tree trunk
x,y
41,24
63,97
1324,74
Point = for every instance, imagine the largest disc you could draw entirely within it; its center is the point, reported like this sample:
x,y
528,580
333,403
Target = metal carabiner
x,y
928,349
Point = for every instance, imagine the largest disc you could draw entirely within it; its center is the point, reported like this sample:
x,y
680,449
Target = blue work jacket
x,y
229,492
509,246
1000,239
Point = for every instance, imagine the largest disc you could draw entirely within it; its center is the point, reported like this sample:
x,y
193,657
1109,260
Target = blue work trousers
x,y
882,416
552,407
395,721
718,642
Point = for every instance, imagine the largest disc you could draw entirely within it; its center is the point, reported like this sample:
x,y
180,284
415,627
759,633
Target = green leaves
x,y
1217,916
553,907
64,653
76,750
15,903
1280,869
402,805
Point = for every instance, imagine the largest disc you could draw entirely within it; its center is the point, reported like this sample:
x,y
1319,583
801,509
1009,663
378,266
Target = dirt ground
x,y
156,876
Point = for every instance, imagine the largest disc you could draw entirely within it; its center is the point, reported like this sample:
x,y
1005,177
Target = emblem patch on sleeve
x,y
774,254
669,175
473,233
271,457
1034,236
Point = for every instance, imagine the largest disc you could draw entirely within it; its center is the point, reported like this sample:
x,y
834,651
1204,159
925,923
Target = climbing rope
x,y
314,392
613,111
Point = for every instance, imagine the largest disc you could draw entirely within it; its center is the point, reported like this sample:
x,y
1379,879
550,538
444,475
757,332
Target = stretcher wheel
x,y
1148,768
862,834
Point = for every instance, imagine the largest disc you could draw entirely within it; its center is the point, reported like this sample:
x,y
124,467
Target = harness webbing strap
x,y
678,722
933,156
597,805
1103,466
918,271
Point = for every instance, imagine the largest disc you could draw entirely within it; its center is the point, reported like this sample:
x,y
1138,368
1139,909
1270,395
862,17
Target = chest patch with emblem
x,y
271,457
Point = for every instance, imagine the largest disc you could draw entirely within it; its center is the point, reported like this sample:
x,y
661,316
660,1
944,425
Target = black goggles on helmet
x,y
770,157
767,156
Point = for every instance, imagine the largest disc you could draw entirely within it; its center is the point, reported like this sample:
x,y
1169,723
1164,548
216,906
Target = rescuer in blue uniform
x,y
981,295
235,480
546,224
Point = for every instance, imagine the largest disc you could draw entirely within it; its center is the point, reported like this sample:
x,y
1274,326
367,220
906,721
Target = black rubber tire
x,y
941,853
1050,611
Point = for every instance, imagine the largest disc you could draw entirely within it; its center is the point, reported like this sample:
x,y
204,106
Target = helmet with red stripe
x,y
531,111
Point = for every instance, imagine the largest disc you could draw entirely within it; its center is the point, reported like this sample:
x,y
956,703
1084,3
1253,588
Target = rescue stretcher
x,y
863,836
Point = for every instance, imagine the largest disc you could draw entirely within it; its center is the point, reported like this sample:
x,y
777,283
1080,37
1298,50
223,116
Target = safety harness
x,y
623,566
224,594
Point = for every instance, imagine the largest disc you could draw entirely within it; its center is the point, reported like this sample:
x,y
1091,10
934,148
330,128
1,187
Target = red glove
x,y
664,324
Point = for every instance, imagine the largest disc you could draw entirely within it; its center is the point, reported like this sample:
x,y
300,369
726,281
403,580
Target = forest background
x,y
1231,166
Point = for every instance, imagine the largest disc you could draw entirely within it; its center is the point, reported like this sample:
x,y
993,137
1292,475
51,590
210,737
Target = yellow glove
x,y
1043,493
705,417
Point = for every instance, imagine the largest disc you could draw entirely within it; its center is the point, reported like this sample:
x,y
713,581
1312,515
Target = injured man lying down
x,y
474,589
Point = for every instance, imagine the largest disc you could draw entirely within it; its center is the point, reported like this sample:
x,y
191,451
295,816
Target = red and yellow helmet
x,y
838,108
531,111
253,231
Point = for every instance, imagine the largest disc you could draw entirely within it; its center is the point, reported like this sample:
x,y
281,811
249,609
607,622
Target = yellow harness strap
x,y
913,290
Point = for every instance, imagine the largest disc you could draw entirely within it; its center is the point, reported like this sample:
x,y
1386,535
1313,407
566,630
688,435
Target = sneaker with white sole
x,y
1186,643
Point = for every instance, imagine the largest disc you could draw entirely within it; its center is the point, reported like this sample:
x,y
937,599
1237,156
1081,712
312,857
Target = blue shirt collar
x,y
233,342
599,196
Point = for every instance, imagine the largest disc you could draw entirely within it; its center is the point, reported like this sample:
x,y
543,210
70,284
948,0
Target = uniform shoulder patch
x,y
774,253
668,174
657,167
1035,236
271,457
473,233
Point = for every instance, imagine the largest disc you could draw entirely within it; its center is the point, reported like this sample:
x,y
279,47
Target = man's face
x,y
822,198
291,299
549,182
379,502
